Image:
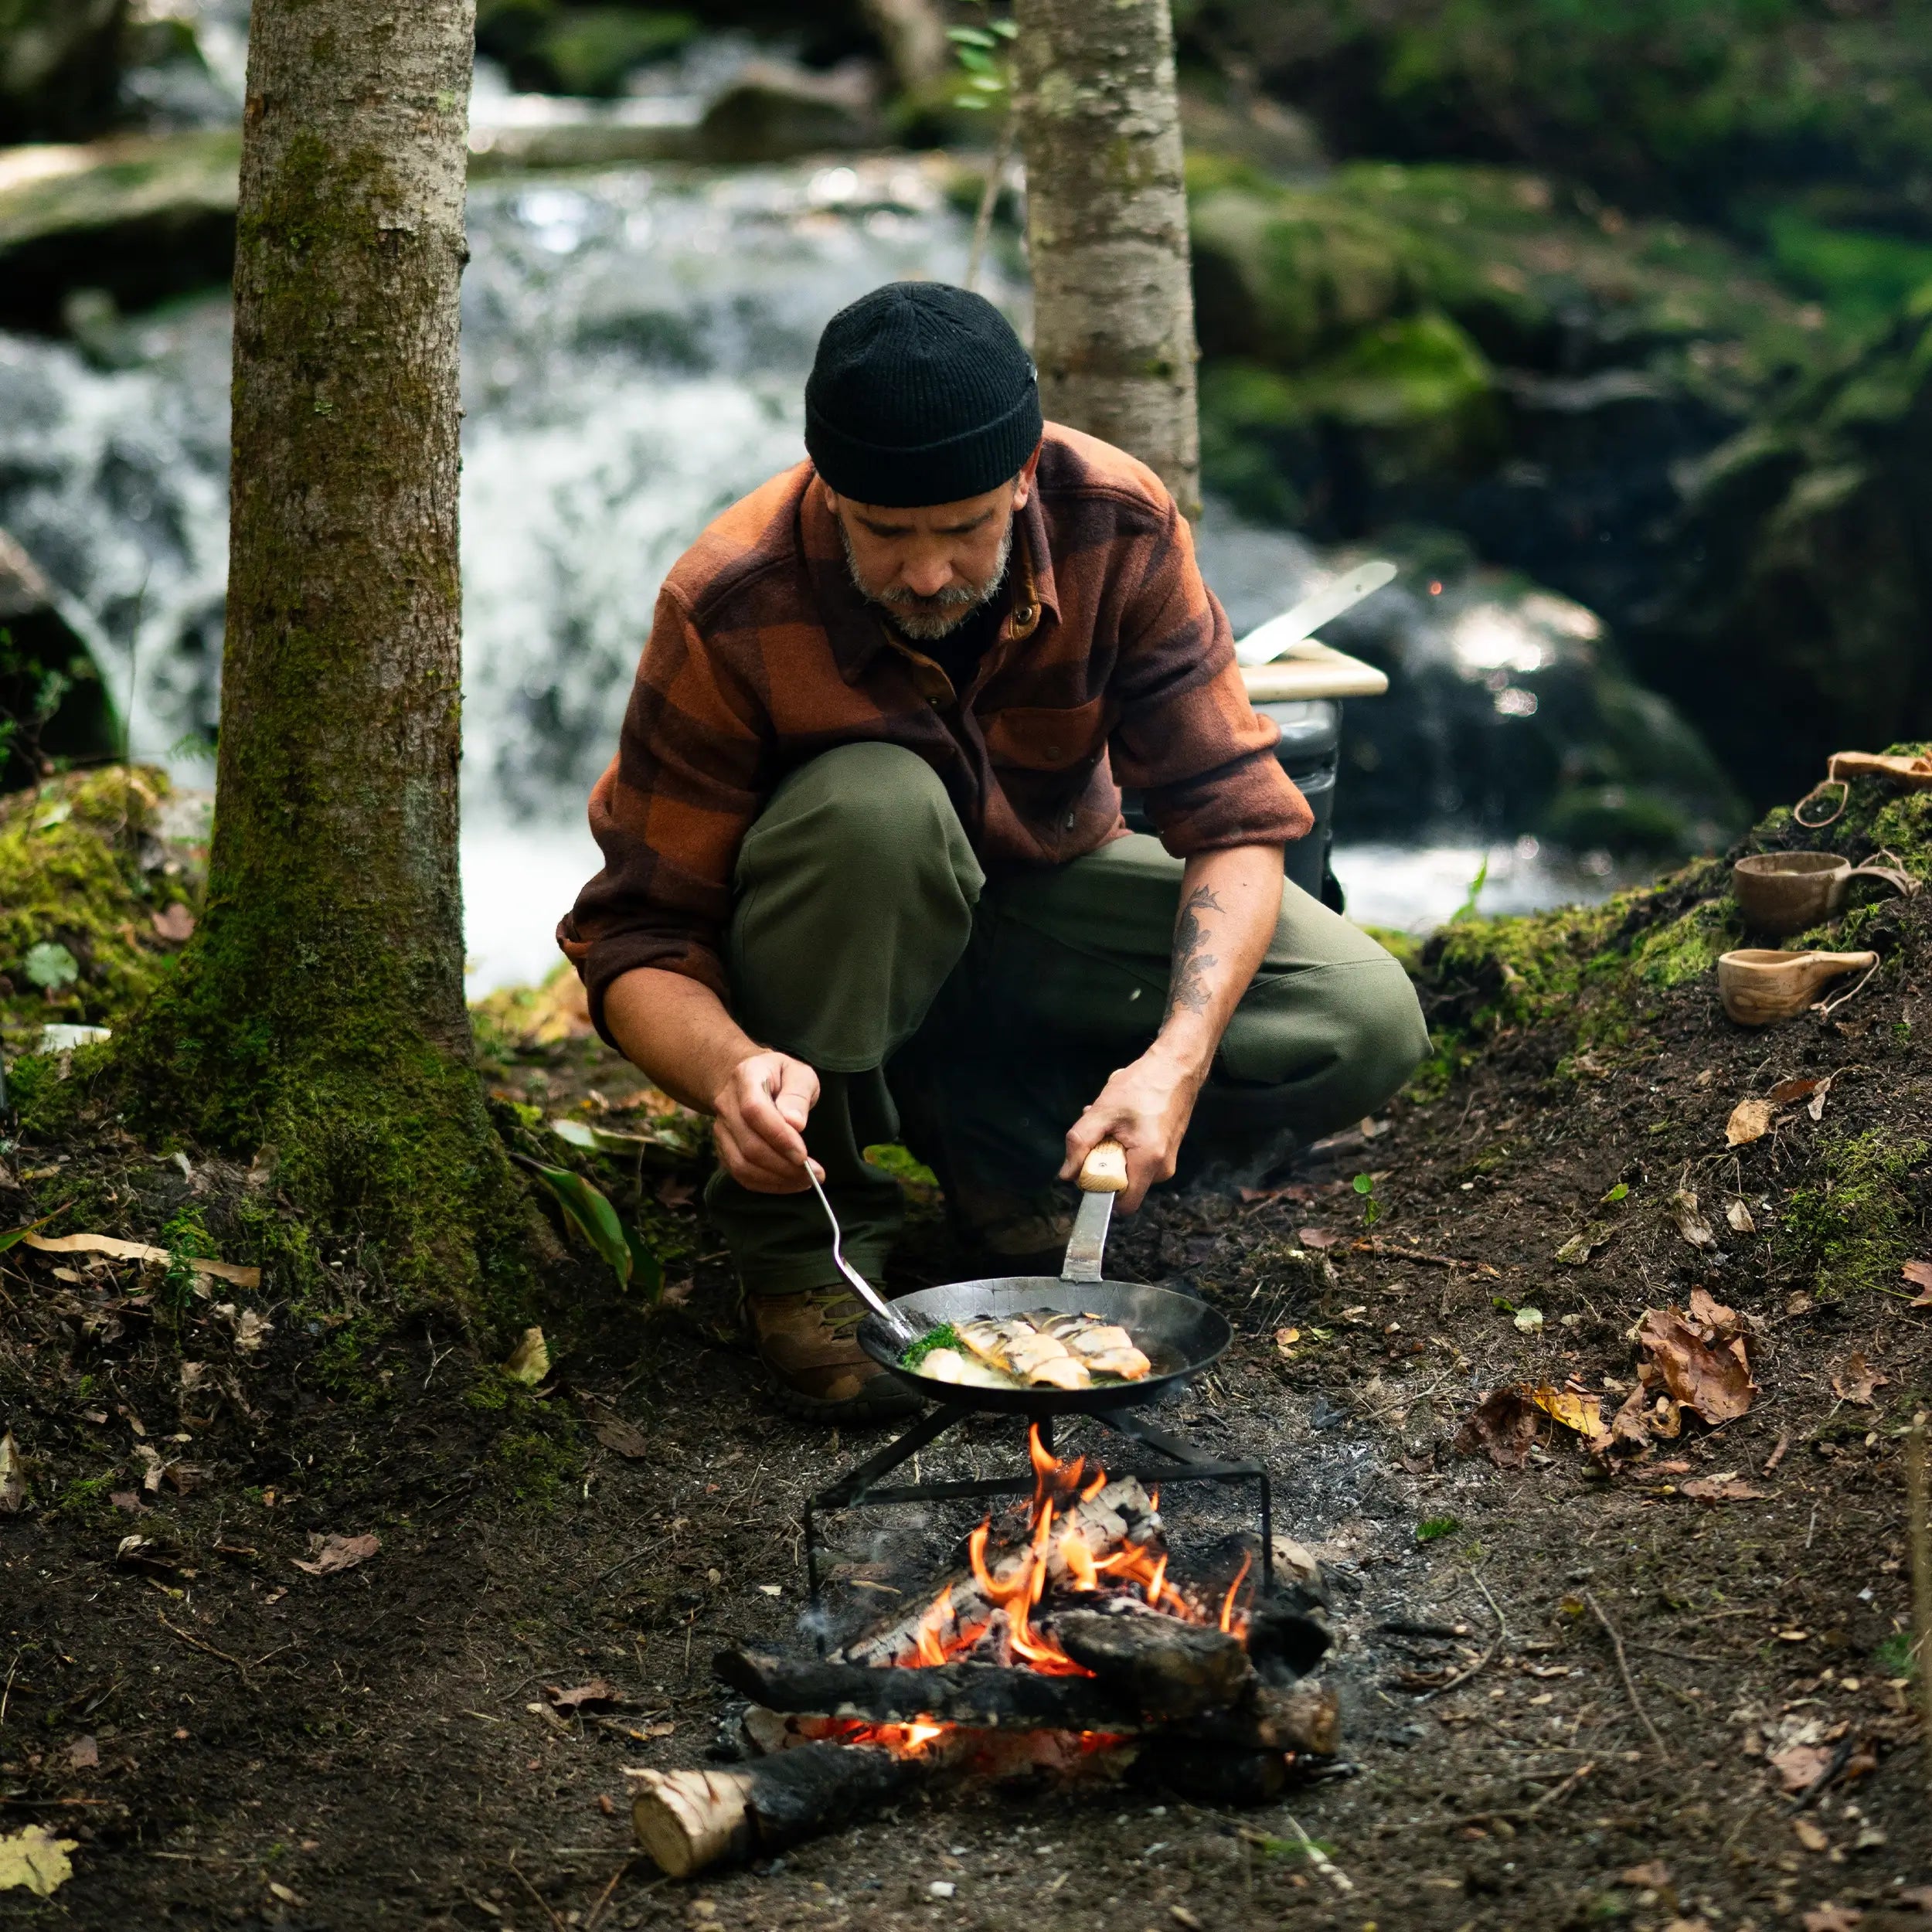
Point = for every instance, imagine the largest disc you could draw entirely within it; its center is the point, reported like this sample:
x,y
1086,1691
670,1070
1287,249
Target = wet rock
x,y
139,218
774,111
1510,708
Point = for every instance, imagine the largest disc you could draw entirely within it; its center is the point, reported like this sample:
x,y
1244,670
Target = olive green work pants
x,y
975,1019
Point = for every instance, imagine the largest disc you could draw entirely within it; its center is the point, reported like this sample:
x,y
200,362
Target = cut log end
x,y
688,1819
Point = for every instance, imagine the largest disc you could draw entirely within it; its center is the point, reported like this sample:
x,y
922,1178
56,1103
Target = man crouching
x,y
866,877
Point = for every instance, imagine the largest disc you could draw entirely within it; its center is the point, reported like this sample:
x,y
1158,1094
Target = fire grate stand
x,y
1182,1462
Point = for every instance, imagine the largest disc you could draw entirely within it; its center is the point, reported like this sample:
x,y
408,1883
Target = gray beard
x,y
940,616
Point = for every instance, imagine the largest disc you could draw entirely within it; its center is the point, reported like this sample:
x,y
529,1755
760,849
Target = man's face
x,y
930,569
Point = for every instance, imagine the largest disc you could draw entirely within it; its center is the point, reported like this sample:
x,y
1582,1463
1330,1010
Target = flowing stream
x,y
635,342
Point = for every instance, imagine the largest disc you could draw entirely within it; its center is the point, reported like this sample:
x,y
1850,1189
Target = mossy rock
x,y
1592,970
1800,628
84,872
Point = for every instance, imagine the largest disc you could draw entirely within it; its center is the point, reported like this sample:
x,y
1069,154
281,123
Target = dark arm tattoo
x,y
1187,987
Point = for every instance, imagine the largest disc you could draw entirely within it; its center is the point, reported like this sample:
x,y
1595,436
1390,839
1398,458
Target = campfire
x,y
1070,1644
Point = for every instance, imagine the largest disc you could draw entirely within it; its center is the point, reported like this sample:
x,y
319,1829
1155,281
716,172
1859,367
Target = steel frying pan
x,y
1179,1336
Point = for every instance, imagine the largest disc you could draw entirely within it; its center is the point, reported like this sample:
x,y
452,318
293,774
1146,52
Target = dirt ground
x,y
230,1740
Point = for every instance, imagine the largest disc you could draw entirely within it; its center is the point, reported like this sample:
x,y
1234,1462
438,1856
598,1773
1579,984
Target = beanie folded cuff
x,y
948,471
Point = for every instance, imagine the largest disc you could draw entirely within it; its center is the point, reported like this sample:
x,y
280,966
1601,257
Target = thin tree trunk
x,y
320,1008
913,35
1107,228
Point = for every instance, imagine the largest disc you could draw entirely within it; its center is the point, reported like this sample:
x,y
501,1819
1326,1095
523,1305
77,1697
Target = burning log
x,y
1117,1514
689,1820
1162,1669
1301,1719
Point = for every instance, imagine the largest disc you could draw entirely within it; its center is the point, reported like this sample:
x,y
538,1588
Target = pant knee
x,y
873,818
1381,1035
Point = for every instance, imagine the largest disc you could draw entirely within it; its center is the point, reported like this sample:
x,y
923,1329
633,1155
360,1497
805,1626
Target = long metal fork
x,y
903,1331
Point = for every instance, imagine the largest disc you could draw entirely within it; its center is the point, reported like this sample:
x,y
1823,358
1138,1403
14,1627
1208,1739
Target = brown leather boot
x,y
808,1342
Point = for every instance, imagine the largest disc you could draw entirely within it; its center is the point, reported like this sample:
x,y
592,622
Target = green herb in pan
x,y
944,1336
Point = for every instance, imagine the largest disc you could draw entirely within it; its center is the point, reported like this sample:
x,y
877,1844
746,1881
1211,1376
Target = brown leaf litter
x,y
332,1554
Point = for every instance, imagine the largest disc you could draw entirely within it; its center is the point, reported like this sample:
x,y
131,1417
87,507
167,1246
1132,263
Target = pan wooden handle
x,y
1104,1170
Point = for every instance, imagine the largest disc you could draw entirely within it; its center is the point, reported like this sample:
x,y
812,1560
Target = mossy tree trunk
x,y
1107,228
320,1008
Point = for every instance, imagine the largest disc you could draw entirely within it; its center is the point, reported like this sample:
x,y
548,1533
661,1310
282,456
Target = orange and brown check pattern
x,y
1114,665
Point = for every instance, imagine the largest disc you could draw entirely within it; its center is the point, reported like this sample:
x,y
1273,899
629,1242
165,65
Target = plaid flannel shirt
x,y
1114,665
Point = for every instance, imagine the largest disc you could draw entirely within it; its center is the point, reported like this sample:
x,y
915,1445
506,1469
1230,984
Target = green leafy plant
x,y
985,62
1467,908
1431,1527
589,1210
1365,1185
50,966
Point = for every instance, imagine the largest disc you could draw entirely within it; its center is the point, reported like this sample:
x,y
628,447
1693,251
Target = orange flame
x,y
1227,1602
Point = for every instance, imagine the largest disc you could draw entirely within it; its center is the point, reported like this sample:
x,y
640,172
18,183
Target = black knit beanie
x,y
921,394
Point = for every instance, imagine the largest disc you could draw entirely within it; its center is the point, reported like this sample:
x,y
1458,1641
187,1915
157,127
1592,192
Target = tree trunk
x,y
913,34
320,1008
1106,228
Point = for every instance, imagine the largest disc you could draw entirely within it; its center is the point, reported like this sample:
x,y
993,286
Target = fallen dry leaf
x,y
1720,1489
1501,1427
1690,1224
84,1754
1580,1248
1739,1218
1583,1413
620,1438
1788,1092
34,1857
1799,1766
1750,1120
1712,1321
676,1293
597,1691
120,1251
1811,1836
13,1483
1652,1876
529,1361
1920,1274
1816,1109
252,1331
1856,1380
1316,1237
1714,1383
332,1554
175,923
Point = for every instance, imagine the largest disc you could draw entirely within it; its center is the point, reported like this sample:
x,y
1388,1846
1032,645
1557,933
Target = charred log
x,y
1287,1636
689,1820
981,1696
1302,1718
1157,1666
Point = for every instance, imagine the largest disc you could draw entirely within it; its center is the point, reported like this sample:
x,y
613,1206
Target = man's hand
x,y
761,1111
1230,902
676,1030
1146,1107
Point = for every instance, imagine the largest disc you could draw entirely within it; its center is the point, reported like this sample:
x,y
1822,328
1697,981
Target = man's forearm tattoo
x,y
1188,989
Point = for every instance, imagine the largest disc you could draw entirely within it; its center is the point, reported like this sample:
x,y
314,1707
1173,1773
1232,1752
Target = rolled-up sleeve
x,y
1186,735
669,815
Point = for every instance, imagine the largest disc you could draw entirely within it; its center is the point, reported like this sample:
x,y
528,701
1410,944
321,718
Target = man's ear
x,y
1023,483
